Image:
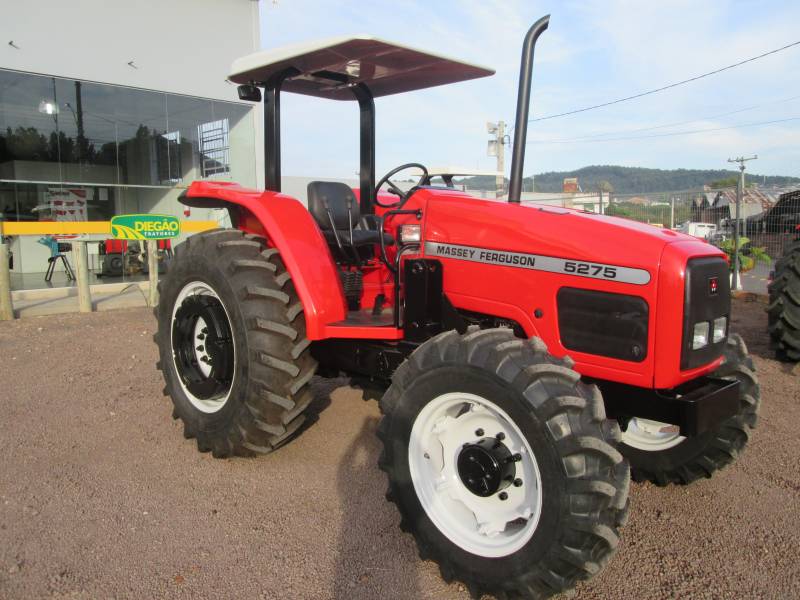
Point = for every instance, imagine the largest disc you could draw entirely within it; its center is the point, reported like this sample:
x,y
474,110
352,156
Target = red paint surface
x,y
503,291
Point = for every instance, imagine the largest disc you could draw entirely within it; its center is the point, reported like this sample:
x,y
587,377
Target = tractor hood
x,y
602,289
547,231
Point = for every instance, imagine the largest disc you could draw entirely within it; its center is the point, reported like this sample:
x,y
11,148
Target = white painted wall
x,y
180,46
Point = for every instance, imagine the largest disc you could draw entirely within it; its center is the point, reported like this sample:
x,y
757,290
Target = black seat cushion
x,y
344,209
337,196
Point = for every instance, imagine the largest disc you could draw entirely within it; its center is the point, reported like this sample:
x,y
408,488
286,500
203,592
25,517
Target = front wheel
x,y
502,464
658,453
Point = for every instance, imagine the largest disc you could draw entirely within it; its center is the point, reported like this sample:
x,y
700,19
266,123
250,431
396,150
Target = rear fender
x,y
290,228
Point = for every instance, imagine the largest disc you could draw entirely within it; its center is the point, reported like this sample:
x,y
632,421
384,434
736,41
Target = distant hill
x,y
631,180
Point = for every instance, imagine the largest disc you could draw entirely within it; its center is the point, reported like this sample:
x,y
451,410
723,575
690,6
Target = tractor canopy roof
x,y
330,68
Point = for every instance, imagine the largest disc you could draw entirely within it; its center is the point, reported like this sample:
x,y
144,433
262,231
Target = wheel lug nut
x,y
503,496
479,432
501,436
517,482
517,457
200,348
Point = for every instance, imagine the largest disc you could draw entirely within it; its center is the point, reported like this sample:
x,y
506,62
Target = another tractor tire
x,y
502,464
784,305
112,265
232,344
658,453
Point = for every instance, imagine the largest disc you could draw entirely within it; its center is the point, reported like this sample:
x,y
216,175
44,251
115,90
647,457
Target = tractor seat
x,y
328,203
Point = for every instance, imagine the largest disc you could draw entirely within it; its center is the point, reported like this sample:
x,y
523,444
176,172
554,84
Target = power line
x,y
666,125
673,133
666,87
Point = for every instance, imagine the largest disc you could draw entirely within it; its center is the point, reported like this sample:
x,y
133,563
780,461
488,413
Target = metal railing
x,y
22,228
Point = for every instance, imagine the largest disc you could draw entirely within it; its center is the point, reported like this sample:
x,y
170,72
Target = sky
x,y
594,51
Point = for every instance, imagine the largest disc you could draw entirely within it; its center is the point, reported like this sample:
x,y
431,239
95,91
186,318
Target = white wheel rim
x,y
485,526
206,405
651,436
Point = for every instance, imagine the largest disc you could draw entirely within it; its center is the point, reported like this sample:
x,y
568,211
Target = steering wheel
x,y
386,179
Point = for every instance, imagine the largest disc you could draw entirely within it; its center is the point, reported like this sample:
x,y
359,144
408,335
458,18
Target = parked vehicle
x,y
784,303
535,357
704,231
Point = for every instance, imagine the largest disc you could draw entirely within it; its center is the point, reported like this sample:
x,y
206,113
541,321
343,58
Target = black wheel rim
x,y
202,346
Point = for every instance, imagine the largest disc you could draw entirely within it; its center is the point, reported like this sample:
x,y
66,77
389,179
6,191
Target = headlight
x,y
720,329
700,335
410,234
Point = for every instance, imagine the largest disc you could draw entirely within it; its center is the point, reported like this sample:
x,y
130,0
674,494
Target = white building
x,y
114,107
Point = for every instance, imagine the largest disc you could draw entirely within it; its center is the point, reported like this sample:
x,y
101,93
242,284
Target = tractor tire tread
x,y
600,486
784,305
730,438
276,393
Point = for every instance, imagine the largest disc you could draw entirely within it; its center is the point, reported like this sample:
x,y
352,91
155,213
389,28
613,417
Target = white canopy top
x,y
328,68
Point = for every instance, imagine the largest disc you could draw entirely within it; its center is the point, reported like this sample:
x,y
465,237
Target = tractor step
x,y
365,318
365,325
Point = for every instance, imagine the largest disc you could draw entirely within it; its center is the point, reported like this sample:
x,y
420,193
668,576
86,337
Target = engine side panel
x,y
512,260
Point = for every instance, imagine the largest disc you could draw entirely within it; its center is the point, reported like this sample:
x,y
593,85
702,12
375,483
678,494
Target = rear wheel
x,y
232,345
658,453
784,305
502,464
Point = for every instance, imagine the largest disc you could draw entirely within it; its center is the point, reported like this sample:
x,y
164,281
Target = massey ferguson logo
x,y
551,264
713,286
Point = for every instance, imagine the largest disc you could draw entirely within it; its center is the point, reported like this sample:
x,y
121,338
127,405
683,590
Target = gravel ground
x,y
100,495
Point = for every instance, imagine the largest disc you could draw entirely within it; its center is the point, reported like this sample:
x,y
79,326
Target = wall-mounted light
x,y
48,107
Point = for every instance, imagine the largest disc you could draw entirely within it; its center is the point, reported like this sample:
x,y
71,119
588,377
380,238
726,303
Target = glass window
x,y
77,151
60,130
214,147
141,118
184,115
240,141
65,131
29,127
88,132
56,202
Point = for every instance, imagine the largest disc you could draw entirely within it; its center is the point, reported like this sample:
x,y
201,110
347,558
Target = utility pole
x,y
739,195
496,148
672,212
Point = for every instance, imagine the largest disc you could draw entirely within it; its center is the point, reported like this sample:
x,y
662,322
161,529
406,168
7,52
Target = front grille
x,y
707,295
613,325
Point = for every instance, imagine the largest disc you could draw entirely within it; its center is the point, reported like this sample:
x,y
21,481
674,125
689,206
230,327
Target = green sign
x,y
145,227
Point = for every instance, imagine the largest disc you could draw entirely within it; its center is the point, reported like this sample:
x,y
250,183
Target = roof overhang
x,y
330,68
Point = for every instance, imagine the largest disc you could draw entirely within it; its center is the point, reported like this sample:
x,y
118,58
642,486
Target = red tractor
x,y
535,357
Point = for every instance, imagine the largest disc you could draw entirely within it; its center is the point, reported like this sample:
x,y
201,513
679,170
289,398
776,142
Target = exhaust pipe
x,y
523,106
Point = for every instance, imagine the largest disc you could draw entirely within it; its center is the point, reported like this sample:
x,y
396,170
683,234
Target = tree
x,y
606,187
731,181
749,255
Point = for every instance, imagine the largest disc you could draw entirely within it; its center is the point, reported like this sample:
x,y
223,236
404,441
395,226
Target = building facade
x,y
112,108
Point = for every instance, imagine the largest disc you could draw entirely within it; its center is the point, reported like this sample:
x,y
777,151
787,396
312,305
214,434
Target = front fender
x,y
290,228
